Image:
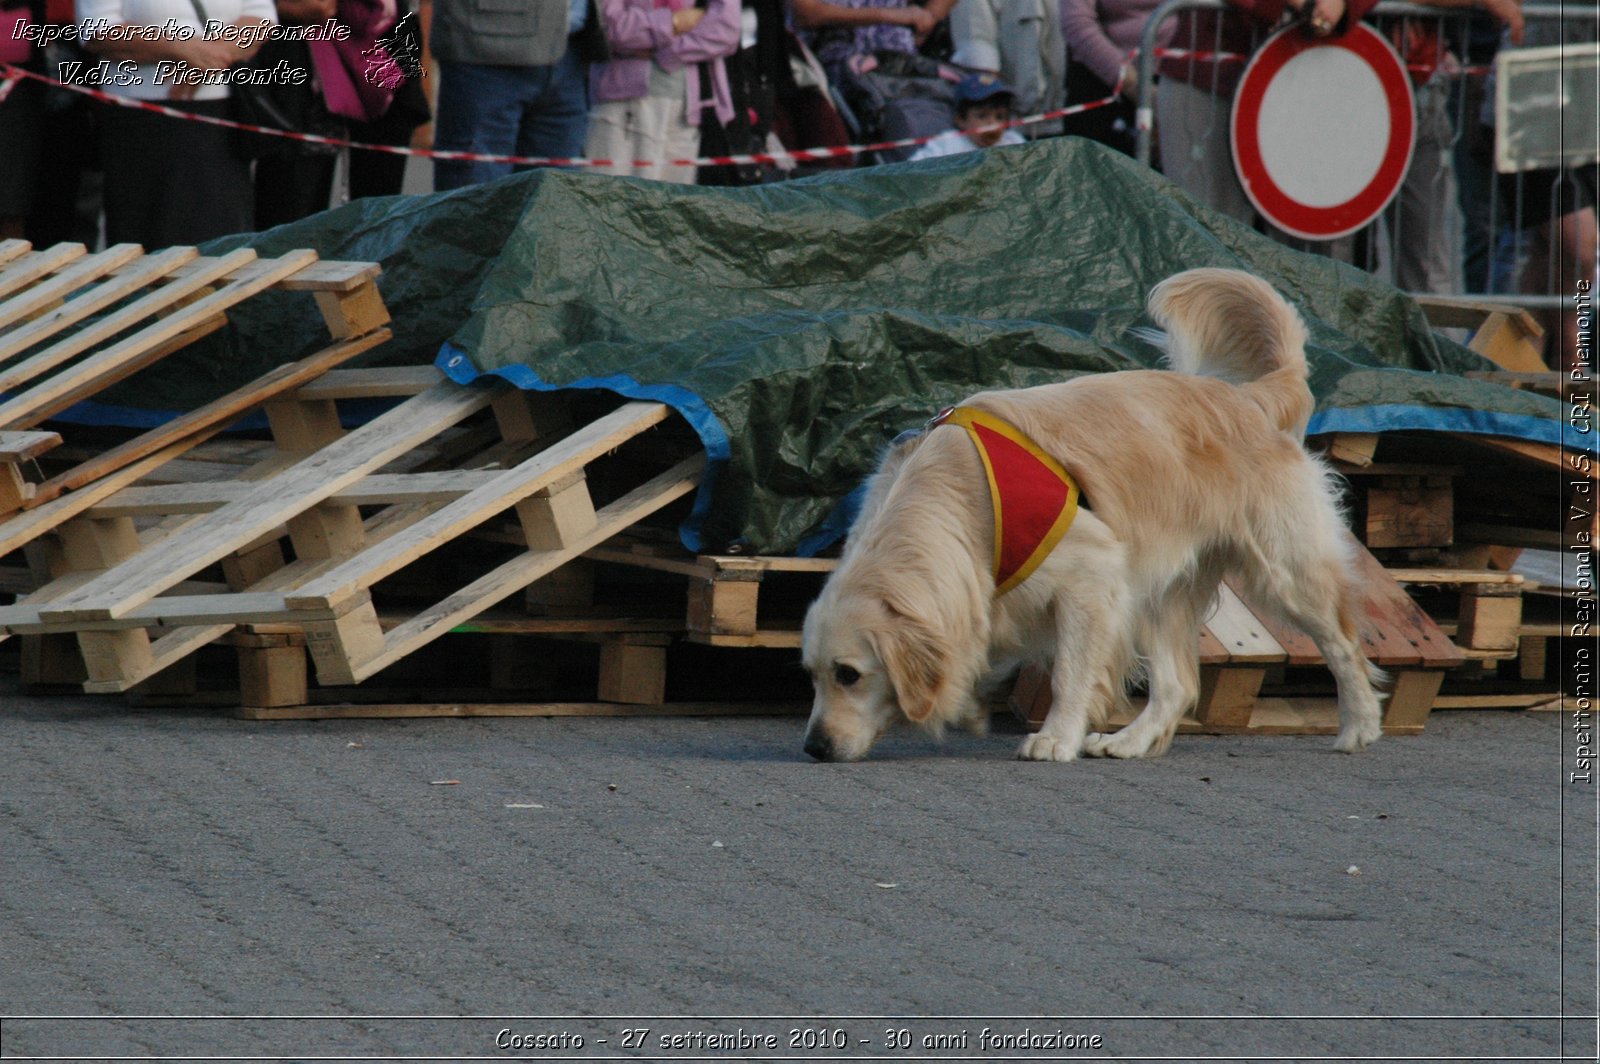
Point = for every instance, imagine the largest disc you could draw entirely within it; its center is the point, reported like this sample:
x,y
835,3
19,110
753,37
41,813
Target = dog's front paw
x,y
1098,744
1047,748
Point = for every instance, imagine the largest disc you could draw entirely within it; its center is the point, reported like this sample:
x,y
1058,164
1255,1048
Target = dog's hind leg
x,y
1310,585
1332,627
1169,639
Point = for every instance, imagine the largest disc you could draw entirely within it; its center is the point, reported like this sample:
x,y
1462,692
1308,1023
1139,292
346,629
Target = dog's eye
x,y
844,675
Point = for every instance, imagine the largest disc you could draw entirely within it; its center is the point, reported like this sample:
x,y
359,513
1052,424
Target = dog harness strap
x,y
1035,500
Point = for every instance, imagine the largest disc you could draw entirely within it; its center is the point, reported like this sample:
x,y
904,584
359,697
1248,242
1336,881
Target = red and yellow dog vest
x,y
1035,500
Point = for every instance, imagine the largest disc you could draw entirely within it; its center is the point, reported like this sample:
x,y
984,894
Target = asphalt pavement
x,y
184,884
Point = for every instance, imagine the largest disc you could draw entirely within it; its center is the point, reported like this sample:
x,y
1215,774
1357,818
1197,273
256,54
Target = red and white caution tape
x,y
9,75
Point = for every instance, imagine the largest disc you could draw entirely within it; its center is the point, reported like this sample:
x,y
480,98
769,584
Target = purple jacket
x,y
641,33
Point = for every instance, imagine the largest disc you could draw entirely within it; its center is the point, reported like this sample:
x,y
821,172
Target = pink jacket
x,y
641,33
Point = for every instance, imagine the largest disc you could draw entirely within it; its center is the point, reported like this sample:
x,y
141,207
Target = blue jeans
x,y
508,110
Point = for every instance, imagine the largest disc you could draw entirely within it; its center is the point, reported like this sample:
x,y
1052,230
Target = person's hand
x,y
919,20
210,55
1325,15
1128,83
686,18
200,54
1509,13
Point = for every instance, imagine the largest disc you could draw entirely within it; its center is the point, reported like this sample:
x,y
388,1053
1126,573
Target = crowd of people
x,y
646,84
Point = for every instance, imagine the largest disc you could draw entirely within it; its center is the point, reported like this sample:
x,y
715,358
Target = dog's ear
x,y
913,658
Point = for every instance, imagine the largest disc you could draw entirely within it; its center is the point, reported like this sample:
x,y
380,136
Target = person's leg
x,y
292,187
1420,217
1474,163
1561,254
672,138
555,122
611,127
479,110
171,181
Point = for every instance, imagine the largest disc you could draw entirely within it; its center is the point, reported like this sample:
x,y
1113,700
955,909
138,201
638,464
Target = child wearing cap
x,y
983,105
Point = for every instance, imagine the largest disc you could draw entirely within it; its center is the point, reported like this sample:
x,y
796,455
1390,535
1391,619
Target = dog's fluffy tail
x,y
1232,325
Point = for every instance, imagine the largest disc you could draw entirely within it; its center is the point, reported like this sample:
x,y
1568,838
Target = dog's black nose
x,y
819,746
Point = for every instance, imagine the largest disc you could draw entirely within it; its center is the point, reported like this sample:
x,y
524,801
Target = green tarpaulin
x,y
800,326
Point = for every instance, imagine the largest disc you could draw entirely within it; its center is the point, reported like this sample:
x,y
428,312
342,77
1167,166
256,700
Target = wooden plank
x,y
1240,632
1394,630
1491,617
1211,650
213,416
631,672
1228,695
1513,340
43,297
723,607
13,249
23,446
1506,700
557,514
472,509
1410,512
773,638
1297,646
34,265
710,566
273,676
123,283
273,502
331,276
521,571
353,313
154,341
1353,448
258,603
381,383
1455,312
1411,697
763,563
128,317
526,709
377,489
23,528
1450,577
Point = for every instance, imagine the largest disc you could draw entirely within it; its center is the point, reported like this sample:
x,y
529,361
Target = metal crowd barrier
x,y
1487,229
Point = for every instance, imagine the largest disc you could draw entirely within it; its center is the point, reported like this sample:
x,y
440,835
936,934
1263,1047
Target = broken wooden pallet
x,y
1241,642
349,525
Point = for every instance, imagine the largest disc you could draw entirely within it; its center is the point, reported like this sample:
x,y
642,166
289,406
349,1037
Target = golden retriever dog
x,y
1185,476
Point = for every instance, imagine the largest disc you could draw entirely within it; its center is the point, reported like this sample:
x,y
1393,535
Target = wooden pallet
x,y
73,324
1506,335
1241,643
352,517
725,592
1490,619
